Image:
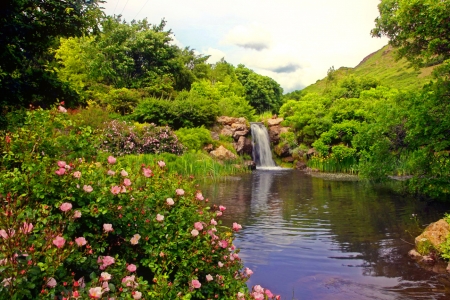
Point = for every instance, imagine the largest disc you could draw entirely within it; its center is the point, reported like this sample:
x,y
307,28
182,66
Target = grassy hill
x,y
383,66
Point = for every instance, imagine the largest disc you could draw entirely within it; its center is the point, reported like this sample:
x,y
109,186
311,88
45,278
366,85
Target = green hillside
x,y
382,66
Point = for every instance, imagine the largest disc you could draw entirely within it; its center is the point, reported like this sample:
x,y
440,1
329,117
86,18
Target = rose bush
x,y
73,228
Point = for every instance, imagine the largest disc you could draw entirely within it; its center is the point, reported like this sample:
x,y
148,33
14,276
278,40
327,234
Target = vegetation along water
x,y
115,142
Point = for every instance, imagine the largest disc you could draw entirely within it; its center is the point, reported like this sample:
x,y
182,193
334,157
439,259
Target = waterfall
x,y
262,155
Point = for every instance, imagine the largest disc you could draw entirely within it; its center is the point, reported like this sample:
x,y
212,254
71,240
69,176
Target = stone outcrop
x,y
239,130
435,234
222,153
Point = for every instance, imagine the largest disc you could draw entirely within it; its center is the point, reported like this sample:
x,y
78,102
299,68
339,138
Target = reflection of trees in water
x,y
352,219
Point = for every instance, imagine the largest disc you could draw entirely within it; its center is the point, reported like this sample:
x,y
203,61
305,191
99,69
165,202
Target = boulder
x,y
239,145
282,150
239,133
248,146
209,147
227,131
226,120
239,126
250,164
222,153
435,234
215,136
301,165
274,121
275,131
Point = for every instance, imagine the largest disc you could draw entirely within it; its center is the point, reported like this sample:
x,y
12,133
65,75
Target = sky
x,y
294,42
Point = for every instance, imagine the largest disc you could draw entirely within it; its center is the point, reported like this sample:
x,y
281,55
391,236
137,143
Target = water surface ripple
x,y
309,238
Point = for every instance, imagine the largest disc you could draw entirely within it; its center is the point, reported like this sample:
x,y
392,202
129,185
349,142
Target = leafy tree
x,y
28,28
263,93
418,28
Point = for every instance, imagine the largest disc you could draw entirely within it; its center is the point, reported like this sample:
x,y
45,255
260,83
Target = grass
x,y
199,165
332,165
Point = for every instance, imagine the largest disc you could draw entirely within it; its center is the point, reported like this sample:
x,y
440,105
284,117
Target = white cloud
x,y
214,55
253,36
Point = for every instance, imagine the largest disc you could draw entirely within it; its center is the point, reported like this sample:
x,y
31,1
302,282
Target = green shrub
x,y
194,138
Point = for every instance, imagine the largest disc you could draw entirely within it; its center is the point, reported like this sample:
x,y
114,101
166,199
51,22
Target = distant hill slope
x,y
381,65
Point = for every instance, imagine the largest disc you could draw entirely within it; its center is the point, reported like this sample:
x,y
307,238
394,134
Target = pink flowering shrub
x,y
121,138
125,236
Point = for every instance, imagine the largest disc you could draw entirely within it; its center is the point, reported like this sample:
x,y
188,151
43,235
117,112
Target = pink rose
x,y
223,244
248,271
257,296
161,164
198,226
60,171
259,289
209,277
112,160
131,268
220,264
81,241
61,163
7,234
127,182
77,214
107,227
95,293
27,227
115,189
129,281
268,293
222,208
87,188
135,239
124,173
213,222
111,173
236,227
59,241
77,174
199,196
61,109
179,192
219,213
51,283
147,172
105,276
170,201
196,284
159,218
136,294
65,206
194,232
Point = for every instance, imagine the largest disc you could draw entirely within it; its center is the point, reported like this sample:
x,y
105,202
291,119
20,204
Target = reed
x,y
332,165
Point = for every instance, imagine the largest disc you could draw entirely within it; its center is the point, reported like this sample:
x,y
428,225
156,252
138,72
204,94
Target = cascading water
x,y
262,155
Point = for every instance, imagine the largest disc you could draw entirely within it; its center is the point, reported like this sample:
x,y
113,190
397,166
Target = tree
x,y
418,28
28,28
263,93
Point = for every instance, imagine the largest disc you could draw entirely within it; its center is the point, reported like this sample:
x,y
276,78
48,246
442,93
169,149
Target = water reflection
x,y
307,238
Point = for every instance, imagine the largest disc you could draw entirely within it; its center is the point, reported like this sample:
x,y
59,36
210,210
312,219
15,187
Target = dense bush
x,y
194,138
121,138
103,228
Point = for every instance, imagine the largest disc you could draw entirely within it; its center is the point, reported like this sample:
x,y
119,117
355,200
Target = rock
x,y
288,159
282,150
227,131
414,254
238,126
250,164
215,136
239,145
301,165
239,133
274,134
248,146
241,120
227,120
209,147
428,259
223,153
435,234
274,122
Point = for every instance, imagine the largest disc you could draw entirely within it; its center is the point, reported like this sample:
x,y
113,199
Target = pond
x,y
311,238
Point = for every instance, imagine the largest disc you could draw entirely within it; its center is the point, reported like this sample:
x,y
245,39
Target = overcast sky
x,y
294,42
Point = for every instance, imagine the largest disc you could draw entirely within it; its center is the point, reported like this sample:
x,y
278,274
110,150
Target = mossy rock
x,y
433,236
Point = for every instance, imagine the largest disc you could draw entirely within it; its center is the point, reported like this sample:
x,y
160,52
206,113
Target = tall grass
x,y
200,165
332,165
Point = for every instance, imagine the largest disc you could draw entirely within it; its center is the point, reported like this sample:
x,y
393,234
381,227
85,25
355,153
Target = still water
x,y
310,238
